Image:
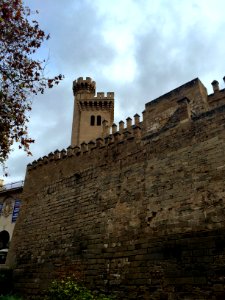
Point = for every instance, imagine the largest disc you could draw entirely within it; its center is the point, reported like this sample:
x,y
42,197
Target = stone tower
x,y
90,111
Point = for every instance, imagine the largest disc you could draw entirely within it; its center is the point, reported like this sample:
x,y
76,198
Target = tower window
x,y
99,120
92,120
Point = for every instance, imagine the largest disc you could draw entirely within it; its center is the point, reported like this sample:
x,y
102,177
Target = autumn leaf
x,y
21,76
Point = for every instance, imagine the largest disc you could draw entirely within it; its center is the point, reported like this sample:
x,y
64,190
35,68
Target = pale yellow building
x,y
10,202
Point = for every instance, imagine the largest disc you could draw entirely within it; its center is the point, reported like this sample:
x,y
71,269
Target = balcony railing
x,y
12,186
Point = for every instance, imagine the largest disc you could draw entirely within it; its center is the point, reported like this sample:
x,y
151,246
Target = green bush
x,y
9,298
67,289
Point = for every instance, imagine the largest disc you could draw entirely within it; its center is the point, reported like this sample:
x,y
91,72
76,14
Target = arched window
x,y
92,120
99,120
4,239
4,245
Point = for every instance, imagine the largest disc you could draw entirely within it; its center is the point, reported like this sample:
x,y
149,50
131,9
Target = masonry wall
x,y
142,217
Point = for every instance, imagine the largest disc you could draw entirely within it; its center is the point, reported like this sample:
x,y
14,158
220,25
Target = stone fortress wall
x,y
139,211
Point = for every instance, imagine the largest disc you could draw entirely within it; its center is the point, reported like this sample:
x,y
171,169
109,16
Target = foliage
x,y
9,298
67,289
21,76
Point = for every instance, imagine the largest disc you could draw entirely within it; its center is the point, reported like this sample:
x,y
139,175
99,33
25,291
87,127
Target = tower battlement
x,y
102,95
84,86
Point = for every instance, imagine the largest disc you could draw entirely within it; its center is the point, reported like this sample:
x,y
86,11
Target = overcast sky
x,y
138,49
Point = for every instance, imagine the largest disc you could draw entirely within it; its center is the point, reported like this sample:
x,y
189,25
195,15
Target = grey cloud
x,y
77,41
160,70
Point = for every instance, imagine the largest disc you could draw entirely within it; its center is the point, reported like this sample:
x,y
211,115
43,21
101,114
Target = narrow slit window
x,y
92,120
99,120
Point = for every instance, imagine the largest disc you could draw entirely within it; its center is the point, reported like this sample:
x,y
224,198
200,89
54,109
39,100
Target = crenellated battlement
x,y
102,95
84,86
108,139
96,103
124,132
217,97
88,86
157,117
